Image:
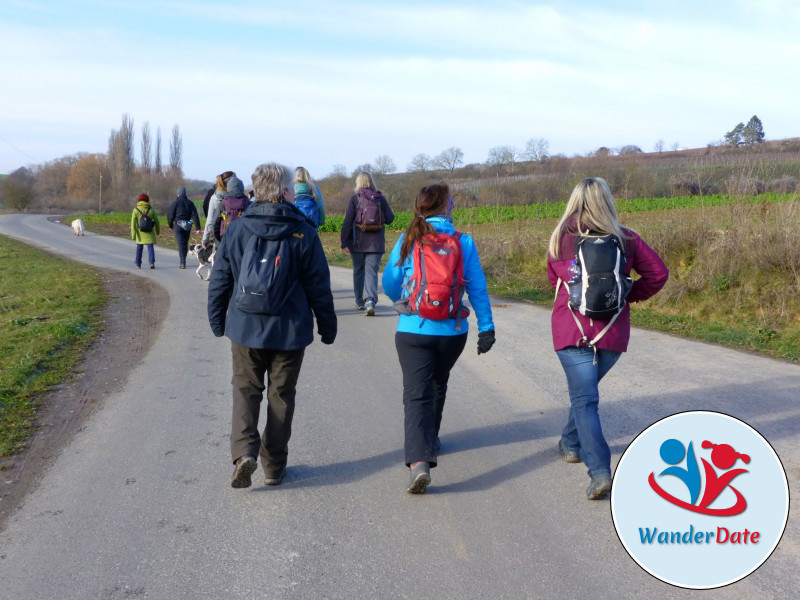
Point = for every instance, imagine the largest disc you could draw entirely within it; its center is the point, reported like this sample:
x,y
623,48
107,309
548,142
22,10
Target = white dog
x,y
77,227
205,256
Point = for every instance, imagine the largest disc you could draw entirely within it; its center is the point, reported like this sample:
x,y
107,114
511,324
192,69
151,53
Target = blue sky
x,y
326,83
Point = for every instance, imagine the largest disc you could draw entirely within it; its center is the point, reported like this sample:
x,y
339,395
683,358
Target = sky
x,y
321,84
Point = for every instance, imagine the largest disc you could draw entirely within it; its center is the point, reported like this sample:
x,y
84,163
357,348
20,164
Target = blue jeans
x,y
365,276
583,432
151,254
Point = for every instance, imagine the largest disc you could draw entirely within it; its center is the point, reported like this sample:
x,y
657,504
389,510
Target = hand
x,y
485,341
198,232
328,339
346,250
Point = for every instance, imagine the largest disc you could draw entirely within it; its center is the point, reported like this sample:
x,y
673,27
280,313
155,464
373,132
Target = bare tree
x,y
147,149
384,165
420,162
16,190
157,154
175,150
338,171
365,168
675,146
501,158
120,153
86,177
536,149
449,159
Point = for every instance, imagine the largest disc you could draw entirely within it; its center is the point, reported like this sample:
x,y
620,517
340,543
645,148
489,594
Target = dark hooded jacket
x,y
183,209
293,329
365,241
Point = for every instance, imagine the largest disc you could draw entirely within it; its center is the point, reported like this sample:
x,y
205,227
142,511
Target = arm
x,y
653,273
316,281
393,274
347,226
388,214
171,214
134,224
476,285
213,213
220,288
195,218
321,204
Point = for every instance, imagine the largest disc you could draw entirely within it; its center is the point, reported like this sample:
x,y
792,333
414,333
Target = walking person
x,y
589,347
215,207
364,238
307,196
428,348
182,218
271,325
145,228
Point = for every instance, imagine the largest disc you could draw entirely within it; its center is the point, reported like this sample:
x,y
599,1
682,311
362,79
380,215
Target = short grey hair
x,y
269,181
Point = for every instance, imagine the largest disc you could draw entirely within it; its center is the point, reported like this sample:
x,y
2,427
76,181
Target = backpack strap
x,y
583,340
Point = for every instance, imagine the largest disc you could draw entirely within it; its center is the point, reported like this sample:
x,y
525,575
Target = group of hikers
x,y
271,282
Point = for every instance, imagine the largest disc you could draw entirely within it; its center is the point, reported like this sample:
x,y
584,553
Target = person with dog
x,y
215,206
429,346
267,309
145,228
364,238
588,347
181,218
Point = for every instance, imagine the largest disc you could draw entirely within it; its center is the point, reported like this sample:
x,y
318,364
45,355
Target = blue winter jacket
x,y
395,276
293,329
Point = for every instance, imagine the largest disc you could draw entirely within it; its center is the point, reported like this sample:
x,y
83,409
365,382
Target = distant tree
x,y
753,132
86,177
420,162
675,146
120,153
157,154
365,168
176,151
449,159
50,178
629,149
536,149
384,165
147,149
602,151
659,146
735,135
16,190
338,171
502,157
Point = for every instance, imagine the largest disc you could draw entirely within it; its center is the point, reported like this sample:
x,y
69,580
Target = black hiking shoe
x,y
244,467
419,479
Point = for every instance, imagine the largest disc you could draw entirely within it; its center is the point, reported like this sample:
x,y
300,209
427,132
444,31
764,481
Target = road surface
x,y
138,504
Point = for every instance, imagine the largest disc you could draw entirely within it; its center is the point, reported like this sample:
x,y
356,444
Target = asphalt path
x,y
139,503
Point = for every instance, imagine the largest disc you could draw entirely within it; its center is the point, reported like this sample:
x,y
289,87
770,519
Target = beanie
x,y
143,198
235,187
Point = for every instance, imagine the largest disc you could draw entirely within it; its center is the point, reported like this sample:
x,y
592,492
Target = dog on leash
x,y
205,256
77,226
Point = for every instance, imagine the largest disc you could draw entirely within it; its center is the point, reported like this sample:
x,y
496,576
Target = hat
x,y
143,198
235,187
302,188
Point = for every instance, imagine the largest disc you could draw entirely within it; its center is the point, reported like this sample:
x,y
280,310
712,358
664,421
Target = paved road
x,y
139,505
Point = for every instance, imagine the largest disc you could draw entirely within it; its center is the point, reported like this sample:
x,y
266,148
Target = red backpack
x,y
436,285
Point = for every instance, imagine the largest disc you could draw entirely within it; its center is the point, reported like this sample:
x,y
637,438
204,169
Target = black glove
x,y
485,341
328,339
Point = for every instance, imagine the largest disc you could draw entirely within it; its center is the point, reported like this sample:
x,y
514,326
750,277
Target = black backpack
x,y
600,290
267,276
146,223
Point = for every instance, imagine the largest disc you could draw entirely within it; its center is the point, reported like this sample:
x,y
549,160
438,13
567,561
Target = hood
x,y
369,194
273,220
442,224
235,188
181,192
142,205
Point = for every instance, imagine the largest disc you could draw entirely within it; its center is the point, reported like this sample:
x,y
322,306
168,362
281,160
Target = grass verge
x,y
49,312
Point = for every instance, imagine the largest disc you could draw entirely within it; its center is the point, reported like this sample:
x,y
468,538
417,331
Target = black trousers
x,y
182,237
426,361
282,369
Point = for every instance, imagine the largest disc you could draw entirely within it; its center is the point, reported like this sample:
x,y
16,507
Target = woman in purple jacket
x,y
591,209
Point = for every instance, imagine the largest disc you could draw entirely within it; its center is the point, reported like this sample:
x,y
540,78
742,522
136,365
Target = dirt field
x,y
121,345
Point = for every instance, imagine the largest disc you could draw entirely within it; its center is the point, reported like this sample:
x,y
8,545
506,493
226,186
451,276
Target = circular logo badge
x,y
700,500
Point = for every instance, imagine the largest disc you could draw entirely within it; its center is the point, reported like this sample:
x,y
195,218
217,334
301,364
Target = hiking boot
x,y
244,467
275,478
419,479
152,266
359,306
599,487
369,306
567,455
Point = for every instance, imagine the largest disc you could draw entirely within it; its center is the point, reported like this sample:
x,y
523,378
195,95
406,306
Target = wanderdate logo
x,y
700,499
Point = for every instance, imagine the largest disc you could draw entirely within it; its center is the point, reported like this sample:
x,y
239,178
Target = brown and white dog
x,y
205,256
77,227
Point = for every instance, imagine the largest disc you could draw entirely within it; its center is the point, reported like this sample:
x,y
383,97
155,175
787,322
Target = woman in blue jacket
x,y
429,349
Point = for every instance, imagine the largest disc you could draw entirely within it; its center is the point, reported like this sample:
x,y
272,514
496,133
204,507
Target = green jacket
x,y
144,237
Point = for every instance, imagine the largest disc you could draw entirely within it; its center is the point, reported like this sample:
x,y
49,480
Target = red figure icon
x,y
724,457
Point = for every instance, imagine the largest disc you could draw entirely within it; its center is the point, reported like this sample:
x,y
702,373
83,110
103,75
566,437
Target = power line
x,y
17,149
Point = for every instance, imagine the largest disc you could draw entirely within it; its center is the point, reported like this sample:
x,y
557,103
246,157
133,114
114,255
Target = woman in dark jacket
x,y
182,218
586,353
364,238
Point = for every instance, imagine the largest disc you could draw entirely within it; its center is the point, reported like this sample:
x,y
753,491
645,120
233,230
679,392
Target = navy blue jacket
x,y
293,329
183,209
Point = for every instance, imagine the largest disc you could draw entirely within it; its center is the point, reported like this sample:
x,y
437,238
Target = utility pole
x,y
100,208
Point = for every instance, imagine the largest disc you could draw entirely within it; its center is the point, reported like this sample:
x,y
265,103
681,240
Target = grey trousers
x,y
365,276
282,369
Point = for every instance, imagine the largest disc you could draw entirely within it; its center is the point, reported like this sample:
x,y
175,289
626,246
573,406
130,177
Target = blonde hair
x,y
592,202
301,175
365,180
269,182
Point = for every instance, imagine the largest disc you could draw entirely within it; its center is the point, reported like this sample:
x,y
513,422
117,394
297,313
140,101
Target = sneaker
x,y
599,487
138,266
182,266
370,308
274,478
419,479
244,467
152,266
567,455
359,306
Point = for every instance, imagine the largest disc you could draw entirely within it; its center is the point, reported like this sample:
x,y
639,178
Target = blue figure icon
x,y
672,452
